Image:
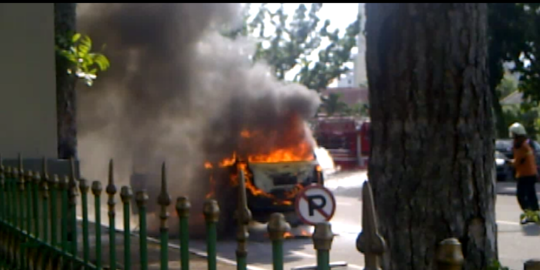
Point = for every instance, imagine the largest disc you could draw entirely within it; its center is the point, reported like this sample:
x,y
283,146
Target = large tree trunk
x,y
431,164
64,26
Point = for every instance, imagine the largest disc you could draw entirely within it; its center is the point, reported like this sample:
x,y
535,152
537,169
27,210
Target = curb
x,y
193,251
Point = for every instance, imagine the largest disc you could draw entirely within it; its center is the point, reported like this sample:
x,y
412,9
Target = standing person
x,y
524,163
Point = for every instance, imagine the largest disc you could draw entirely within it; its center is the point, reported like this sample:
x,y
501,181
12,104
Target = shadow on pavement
x,y
531,230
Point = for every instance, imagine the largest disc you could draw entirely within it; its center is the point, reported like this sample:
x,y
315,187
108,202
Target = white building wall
x,y
360,63
27,81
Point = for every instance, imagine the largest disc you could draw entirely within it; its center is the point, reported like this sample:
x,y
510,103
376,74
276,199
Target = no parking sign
x,y
315,204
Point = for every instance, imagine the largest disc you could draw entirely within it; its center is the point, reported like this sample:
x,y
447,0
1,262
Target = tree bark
x,y
431,164
64,26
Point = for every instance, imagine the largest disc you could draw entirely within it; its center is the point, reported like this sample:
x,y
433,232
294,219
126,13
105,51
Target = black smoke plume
x,y
178,91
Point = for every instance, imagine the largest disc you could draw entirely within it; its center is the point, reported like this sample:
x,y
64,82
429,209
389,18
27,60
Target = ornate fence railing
x,y
39,227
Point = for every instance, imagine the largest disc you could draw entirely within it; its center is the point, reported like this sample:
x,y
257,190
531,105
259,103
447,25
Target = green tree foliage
x,y
530,79
514,37
332,104
508,85
294,38
84,63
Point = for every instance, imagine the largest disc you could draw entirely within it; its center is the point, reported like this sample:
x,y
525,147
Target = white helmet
x,y
517,129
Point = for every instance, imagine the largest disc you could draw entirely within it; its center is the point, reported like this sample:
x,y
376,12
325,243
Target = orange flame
x,y
208,165
228,161
245,134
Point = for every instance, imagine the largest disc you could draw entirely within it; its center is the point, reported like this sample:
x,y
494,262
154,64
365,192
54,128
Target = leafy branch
x,y
84,63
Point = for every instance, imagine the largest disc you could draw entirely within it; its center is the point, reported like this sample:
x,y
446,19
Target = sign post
x,y
316,204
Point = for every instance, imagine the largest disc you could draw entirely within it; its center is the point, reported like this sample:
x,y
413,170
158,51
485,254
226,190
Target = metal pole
x,y
96,190
111,191
211,215
322,241
84,187
244,216
54,215
126,195
164,200
141,199
182,207
277,227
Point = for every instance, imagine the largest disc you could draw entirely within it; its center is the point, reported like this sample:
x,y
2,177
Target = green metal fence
x,y
39,228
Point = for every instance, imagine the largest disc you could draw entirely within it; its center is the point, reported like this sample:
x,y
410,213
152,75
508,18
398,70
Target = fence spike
x,y
126,195
141,197
244,216
44,188
322,241
27,192
72,168
36,186
369,241
182,208
449,255
277,227
96,190
54,182
21,169
164,200
111,190
72,213
44,168
84,186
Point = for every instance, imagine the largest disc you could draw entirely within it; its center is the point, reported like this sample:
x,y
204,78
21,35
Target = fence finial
x,y
72,168
21,169
244,216
164,200
211,211
369,241
277,226
183,206
449,254
96,188
44,170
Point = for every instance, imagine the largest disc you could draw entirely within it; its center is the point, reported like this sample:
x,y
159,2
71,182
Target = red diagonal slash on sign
x,y
324,214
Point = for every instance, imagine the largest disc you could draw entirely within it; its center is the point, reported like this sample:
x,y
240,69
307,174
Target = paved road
x,y
516,243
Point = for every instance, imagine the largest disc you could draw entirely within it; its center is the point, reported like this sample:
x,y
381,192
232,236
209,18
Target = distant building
x,y
347,80
360,74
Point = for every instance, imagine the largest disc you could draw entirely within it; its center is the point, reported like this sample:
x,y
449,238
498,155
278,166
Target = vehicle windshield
x,y
503,145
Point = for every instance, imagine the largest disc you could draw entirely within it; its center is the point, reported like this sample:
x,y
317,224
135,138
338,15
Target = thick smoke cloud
x,y
178,91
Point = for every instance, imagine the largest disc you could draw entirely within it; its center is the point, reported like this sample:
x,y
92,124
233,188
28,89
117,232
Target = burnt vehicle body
x,y
281,181
270,187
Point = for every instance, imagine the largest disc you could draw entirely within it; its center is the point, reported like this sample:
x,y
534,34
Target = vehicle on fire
x,y
270,187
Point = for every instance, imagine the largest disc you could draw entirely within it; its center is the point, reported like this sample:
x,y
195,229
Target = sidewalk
x,y
196,262
510,188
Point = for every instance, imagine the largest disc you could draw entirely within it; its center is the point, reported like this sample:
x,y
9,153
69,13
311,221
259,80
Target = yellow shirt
x,y
524,160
